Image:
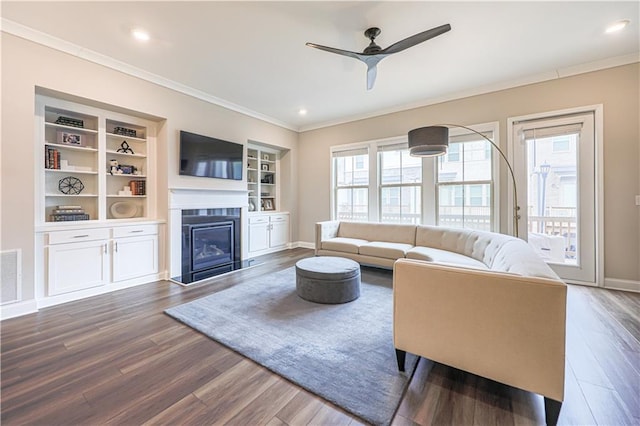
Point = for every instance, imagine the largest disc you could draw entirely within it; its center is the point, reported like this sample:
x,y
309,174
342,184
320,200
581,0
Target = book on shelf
x,y
51,158
65,217
68,213
138,187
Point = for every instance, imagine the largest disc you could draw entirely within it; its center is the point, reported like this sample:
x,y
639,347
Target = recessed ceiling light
x,y
302,111
617,26
140,34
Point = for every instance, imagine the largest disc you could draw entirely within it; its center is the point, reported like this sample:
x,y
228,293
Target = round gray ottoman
x,y
326,279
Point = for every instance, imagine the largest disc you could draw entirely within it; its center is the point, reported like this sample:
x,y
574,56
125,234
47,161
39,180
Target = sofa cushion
x,y
348,245
479,245
393,233
385,249
518,257
430,254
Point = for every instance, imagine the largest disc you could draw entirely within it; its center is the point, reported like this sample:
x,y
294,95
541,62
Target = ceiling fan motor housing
x,y
371,34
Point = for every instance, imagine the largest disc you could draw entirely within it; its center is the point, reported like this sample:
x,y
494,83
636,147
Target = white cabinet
x,y
108,257
77,260
258,233
268,233
135,251
95,200
279,230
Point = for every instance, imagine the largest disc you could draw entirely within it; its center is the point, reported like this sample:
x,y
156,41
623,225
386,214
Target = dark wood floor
x,y
117,359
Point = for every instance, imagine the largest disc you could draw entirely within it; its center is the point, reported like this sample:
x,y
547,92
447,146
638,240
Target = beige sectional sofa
x,y
478,301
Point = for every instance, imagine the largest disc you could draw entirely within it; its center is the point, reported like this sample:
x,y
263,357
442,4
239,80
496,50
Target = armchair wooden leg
x,y
551,411
400,357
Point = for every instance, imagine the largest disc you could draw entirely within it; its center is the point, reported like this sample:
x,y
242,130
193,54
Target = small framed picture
x,y
265,157
265,167
68,138
268,204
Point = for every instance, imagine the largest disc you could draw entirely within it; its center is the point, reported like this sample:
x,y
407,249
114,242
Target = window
x,y
400,185
453,153
561,143
464,186
380,181
351,185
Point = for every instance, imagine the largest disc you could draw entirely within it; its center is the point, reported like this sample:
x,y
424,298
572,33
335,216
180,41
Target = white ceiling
x,y
252,56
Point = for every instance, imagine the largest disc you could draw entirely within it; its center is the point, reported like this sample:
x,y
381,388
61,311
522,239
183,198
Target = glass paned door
x,y
554,162
552,209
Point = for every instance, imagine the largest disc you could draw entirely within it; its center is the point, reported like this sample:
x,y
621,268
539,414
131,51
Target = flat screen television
x,y
204,156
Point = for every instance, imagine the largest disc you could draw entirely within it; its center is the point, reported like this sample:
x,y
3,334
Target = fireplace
x,y
210,243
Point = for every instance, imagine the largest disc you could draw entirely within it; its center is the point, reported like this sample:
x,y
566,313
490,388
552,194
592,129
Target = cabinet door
x,y
279,233
258,236
135,257
77,266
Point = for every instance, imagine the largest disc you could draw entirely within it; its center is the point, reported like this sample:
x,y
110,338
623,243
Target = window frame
x,y
398,147
428,214
344,151
431,181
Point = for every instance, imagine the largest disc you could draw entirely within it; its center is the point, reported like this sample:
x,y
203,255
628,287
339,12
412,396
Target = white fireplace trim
x,y
184,199
190,198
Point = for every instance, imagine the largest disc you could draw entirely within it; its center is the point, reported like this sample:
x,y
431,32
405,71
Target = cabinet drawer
x,y
134,230
77,236
279,218
258,219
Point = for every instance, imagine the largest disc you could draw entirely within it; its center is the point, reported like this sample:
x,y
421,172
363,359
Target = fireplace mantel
x,y
202,198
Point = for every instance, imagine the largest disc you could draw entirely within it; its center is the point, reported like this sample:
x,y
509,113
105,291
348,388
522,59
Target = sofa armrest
x,y
324,231
505,327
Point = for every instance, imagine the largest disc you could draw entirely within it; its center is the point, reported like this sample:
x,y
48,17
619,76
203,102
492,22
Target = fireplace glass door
x,y
211,245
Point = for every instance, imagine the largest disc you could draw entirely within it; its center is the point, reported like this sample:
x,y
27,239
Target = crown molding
x,y
27,33
19,30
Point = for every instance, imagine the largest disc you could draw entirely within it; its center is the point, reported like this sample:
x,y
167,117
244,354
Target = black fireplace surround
x,y
210,243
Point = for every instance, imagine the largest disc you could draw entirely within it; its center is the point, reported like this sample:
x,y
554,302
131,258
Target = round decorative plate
x,y
70,185
123,209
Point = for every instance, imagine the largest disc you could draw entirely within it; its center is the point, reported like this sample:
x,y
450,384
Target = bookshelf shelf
x,y
82,142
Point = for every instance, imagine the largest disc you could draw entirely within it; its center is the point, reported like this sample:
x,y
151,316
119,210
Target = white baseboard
x,y
95,291
17,309
626,285
305,244
12,310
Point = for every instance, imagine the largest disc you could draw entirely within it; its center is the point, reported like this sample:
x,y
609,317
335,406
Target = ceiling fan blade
x,y
416,39
348,53
372,72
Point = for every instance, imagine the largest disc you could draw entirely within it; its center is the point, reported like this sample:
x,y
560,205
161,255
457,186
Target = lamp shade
x,y
428,141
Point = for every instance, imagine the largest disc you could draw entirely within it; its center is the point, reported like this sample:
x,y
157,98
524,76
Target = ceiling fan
x,y
374,53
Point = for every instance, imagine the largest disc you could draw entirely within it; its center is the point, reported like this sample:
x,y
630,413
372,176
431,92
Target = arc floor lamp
x,y
433,141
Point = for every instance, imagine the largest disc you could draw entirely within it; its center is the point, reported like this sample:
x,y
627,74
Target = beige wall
x,y
616,88
26,65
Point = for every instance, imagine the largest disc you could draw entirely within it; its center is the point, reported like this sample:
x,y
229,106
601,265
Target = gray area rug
x,y
343,353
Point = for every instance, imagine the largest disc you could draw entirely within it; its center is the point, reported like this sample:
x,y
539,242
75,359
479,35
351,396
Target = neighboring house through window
x,y
351,184
400,185
465,190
